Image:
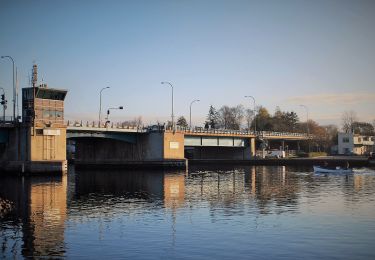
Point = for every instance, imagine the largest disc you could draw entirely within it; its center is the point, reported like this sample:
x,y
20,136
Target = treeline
x,y
237,118
351,124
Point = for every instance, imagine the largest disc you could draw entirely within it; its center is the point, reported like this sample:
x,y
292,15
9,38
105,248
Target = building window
x,y
359,139
345,139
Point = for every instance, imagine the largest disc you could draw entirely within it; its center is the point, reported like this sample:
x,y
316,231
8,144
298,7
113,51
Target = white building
x,y
349,143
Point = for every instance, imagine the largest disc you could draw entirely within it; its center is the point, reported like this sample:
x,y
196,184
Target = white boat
x,y
319,169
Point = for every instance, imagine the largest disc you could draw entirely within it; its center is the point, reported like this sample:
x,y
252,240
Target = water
x,y
231,213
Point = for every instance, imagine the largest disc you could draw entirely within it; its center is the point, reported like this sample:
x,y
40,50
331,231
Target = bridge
x,y
38,142
116,143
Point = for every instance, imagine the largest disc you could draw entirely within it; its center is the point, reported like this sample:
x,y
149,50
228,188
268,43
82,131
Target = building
x,y
349,143
38,142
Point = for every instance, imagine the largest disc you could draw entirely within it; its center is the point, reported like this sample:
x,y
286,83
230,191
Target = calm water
x,y
234,213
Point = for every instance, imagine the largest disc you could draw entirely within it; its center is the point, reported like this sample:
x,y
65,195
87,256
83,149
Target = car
x,y
275,154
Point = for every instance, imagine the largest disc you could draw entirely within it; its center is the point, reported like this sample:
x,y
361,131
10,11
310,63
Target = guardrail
x,y
161,128
94,124
242,132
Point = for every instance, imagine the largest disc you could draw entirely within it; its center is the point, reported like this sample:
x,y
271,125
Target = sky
x,y
283,53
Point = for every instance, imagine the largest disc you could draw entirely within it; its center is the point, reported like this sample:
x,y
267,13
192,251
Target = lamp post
x,y
307,124
165,82
195,100
14,88
255,118
100,105
108,112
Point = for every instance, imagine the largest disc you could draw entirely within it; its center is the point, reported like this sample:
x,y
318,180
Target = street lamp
x,y
255,118
165,82
100,105
196,100
14,88
108,111
307,124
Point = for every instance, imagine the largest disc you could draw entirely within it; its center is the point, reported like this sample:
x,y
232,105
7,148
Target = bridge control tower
x,y
43,123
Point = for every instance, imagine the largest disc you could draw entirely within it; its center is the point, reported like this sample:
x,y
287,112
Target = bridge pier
x,y
154,149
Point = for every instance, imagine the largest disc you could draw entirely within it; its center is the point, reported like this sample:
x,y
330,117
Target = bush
x,y
316,154
302,154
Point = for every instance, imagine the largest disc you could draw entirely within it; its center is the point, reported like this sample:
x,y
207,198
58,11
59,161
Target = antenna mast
x,y
34,75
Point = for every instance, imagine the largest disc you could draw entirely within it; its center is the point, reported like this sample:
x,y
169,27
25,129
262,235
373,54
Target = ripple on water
x,y
249,212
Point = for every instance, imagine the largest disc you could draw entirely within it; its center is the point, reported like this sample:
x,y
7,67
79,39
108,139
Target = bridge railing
x,y
241,132
238,132
94,124
272,133
213,131
187,130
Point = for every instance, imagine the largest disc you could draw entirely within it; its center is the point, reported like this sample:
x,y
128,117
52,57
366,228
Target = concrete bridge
x,y
118,144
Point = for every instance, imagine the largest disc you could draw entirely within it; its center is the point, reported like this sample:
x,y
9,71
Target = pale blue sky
x,y
284,53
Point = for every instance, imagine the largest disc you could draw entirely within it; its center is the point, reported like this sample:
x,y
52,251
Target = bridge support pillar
x,y
249,151
252,147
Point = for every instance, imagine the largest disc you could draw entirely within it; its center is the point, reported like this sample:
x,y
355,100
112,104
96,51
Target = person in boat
x,y
328,166
347,165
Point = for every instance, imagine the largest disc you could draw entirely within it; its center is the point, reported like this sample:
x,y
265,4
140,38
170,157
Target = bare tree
x,y
348,118
136,122
231,117
249,116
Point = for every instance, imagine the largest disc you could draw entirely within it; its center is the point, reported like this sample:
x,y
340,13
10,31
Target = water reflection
x,y
267,187
40,216
36,212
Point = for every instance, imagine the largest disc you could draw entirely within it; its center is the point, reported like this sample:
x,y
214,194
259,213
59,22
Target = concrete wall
x,y
152,146
173,144
47,144
218,152
101,150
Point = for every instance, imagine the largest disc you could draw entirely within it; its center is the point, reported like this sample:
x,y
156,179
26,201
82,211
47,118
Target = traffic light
x,y
3,99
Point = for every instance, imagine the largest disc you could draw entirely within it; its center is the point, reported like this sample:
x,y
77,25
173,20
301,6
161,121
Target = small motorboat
x,y
320,169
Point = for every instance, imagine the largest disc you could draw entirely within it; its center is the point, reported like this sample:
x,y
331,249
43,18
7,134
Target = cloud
x,y
334,98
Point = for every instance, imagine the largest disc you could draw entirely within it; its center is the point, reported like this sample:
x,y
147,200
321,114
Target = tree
x,y
212,118
363,128
231,117
348,118
137,122
249,117
181,122
263,119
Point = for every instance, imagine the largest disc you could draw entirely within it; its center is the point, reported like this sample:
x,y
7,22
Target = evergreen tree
x,y
181,122
212,118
